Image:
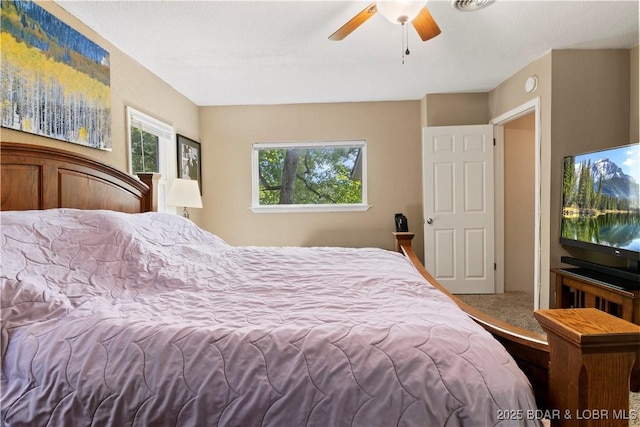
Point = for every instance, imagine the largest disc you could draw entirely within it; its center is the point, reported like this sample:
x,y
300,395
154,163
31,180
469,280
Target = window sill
x,y
309,208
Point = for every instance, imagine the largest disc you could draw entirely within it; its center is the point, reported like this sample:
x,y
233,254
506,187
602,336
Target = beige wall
x,y
454,109
591,103
393,134
131,84
634,107
519,204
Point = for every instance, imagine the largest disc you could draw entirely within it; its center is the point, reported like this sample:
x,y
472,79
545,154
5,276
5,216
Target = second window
x,y
310,176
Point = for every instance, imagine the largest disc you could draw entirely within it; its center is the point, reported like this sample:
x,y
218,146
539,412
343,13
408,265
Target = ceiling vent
x,y
470,5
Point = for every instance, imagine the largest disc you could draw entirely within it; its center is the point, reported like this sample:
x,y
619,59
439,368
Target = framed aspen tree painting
x,y
55,81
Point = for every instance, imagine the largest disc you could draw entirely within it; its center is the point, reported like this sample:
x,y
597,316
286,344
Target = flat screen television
x,y
601,202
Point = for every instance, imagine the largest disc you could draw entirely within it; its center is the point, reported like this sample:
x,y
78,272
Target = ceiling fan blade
x,y
425,25
354,22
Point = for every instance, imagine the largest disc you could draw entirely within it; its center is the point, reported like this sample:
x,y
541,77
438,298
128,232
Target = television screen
x,y
601,201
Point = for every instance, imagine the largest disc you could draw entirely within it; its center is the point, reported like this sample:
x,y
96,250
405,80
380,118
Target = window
x,y
310,176
152,149
145,153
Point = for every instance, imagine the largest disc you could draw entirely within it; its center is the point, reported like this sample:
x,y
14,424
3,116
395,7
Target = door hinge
x,y
495,266
494,142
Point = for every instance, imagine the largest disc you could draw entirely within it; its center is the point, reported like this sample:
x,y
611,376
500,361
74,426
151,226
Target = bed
x,y
113,314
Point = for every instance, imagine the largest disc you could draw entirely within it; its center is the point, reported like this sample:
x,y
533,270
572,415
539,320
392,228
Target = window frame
x,y
166,151
339,207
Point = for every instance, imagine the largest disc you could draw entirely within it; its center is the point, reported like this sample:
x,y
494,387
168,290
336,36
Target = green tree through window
x,y
310,174
144,151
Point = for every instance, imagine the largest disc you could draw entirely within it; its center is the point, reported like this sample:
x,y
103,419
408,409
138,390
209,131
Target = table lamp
x,y
185,193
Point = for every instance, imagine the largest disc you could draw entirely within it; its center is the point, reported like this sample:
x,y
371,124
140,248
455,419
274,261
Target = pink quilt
x,y
113,319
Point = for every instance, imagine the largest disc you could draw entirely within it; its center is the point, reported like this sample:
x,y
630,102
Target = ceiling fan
x,y
397,12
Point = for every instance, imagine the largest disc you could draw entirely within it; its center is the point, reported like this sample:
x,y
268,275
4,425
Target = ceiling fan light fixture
x,y
400,11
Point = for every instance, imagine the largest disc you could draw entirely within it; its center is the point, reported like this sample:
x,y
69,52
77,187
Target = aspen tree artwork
x,y
55,81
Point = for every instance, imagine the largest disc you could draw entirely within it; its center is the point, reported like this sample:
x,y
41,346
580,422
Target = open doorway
x,y
519,204
517,180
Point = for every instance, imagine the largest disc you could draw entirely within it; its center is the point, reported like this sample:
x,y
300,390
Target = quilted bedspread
x,y
113,319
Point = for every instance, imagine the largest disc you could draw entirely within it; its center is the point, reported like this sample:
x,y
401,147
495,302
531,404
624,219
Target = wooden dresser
x,y
578,288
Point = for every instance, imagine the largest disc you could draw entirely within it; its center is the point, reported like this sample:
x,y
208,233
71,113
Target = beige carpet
x,y
516,308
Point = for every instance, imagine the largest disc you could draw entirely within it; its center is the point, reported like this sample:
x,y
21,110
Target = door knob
x,y
429,221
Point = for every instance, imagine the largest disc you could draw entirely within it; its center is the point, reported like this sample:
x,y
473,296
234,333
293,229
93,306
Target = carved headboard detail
x,y
37,177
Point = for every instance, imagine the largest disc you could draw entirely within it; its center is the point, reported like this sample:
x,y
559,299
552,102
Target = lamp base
x,y
185,213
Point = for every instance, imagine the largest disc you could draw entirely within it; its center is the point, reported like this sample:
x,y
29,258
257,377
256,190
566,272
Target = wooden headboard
x,y
37,177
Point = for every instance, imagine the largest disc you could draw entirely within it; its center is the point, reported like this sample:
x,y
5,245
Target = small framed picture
x,y
189,160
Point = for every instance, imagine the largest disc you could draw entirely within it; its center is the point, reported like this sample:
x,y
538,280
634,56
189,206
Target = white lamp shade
x,y
184,193
400,11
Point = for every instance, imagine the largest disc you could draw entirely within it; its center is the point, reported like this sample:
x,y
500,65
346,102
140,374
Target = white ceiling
x,y
278,52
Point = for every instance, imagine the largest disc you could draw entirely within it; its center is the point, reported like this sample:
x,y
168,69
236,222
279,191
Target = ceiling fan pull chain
x,y
405,36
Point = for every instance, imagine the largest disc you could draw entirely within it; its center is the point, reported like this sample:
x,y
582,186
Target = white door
x,y
459,207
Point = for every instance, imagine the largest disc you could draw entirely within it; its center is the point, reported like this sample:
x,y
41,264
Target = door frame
x,y
532,106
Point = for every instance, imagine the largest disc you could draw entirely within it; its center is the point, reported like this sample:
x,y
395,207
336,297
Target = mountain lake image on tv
x,y
601,201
